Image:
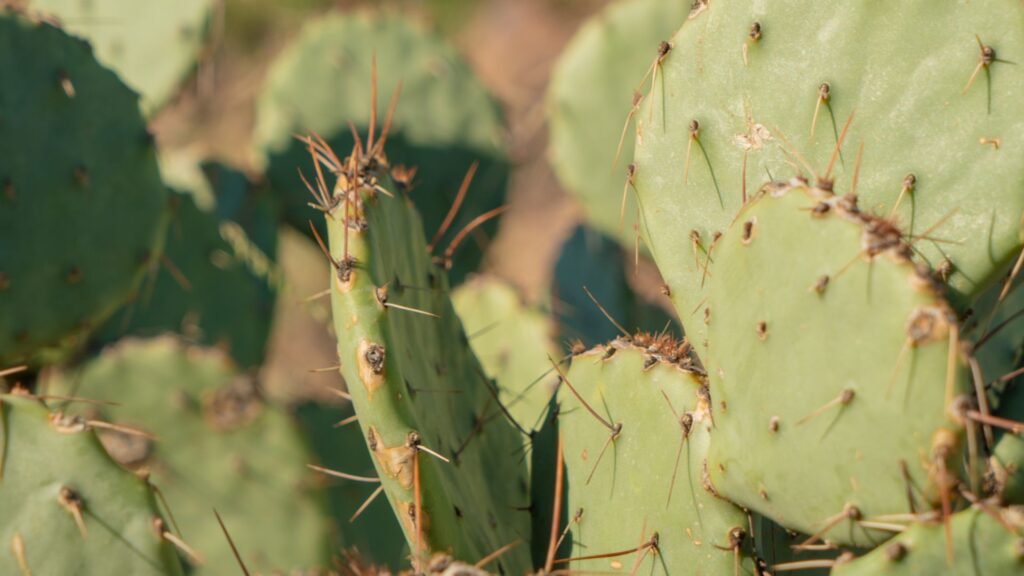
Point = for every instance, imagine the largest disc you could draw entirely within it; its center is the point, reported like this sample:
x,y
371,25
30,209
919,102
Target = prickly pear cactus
x,y
67,507
984,540
82,208
637,423
218,445
442,444
754,91
445,123
152,44
793,376
591,97
218,278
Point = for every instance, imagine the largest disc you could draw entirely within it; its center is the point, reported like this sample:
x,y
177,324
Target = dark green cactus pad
x,y
219,445
218,281
67,507
82,208
444,121
813,419
593,260
983,542
900,70
648,479
414,381
152,44
590,95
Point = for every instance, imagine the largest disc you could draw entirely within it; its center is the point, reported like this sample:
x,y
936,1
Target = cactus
x,y
218,281
152,44
67,507
637,423
984,541
218,446
82,208
783,389
445,123
751,90
441,443
591,261
589,96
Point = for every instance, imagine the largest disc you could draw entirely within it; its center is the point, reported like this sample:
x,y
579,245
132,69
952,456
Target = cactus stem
x,y
234,549
343,475
18,547
72,502
450,216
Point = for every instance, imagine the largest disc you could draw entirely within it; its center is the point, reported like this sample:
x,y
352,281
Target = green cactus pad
x,y
589,97
82,208
219,446
513,342
152,44
593,260
982,544
625,493
55,473
444,121
415,382
812,417
218,281
898,69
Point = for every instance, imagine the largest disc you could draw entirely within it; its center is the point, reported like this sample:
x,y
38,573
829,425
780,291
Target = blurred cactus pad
x,y
635,287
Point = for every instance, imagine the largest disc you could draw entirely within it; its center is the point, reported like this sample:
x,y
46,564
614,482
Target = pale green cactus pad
x,y
67,507
218,446
644,480
983,542
152,44
750,74
814,422
590,96
82,207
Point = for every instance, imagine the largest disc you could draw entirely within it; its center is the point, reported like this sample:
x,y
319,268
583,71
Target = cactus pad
x,y
82,208
813,420
218,281
417,388
649,479
444,122
219,446
984,542
67,507
152,44
590,96
771,87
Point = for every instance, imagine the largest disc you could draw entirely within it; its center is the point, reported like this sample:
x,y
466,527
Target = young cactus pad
x,y
445,123
816,425
67,507
757,91
152,44
636,468
983,542
591,96
218,280
82,208
449,459
218,446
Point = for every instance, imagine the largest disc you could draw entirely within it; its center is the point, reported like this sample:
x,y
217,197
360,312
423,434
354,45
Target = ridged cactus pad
x,y
445,123
82,208
441,443
794,379
67,507
637,467
152,44
218,445
759,91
